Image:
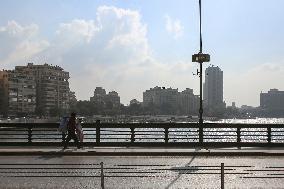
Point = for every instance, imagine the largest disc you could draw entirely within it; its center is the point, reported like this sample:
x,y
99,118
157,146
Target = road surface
x,y
140,172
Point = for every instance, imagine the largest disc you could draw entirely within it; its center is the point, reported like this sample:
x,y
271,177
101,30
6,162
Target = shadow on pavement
x,y
182,170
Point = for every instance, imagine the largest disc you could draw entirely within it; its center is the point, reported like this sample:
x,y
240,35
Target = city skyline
x,y
208,72
129,47
44,90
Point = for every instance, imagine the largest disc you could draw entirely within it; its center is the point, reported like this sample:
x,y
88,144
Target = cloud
x,y
245,88
19,43
131,80
112,51
115,54
174,27
77,31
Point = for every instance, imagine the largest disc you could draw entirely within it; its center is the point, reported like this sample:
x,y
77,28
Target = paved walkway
x,y
139,151
140,172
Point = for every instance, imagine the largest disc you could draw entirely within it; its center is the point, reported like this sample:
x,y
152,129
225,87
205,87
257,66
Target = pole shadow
x,y
181,171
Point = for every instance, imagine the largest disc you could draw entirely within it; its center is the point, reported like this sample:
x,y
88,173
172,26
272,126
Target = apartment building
x,y
160,95
35,89
114,99
213,89
272,100
188,102
101,97
18,92
184,102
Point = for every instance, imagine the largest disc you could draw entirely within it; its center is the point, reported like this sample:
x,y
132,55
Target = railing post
x,y
239,136
132,134
269,135
222,176
98,132
166,135
200,133
30,130
102,175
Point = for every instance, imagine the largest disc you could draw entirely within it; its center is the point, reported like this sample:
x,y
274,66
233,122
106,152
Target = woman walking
x,y
71,127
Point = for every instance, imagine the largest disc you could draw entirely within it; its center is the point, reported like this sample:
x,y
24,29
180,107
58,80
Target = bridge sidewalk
x,y
139,151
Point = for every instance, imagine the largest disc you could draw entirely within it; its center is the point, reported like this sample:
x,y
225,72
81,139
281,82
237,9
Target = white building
x,y
170,100
273,100
188,102
213,89
101,97
160,95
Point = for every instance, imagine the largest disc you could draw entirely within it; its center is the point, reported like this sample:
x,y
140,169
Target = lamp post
x,y
200,58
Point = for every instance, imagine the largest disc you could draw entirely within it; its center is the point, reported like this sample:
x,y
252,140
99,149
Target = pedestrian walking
x,y
71,127
79,131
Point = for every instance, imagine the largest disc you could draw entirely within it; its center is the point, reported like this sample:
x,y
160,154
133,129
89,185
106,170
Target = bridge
x,y
195,155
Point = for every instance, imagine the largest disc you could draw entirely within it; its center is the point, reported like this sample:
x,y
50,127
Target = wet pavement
x,y
140,172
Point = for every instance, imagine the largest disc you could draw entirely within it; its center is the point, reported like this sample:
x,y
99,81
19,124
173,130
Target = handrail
x,y
109,170
162,134
147,125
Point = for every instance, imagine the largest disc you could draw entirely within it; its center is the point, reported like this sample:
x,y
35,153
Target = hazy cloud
x,y
19,43
112,51
115,54
174,27
245,88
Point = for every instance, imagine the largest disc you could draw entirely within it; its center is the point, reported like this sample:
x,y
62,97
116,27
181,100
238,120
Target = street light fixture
x,y
200,58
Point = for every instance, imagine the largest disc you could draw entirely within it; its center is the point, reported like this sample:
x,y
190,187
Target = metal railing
x,y
134,171
147,134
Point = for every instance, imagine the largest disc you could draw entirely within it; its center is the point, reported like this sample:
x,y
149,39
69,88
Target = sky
x,y
130,46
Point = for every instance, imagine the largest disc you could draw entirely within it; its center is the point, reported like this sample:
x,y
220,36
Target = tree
x,y
39,111
134,109
56,111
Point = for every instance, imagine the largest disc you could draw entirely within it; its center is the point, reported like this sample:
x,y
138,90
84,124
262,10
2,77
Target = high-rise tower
x,y
213,88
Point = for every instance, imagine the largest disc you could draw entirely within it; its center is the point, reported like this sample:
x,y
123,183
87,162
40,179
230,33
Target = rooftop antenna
x,y
200,58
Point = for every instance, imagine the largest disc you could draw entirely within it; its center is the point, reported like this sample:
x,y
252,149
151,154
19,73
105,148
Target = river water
x,y
252,121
